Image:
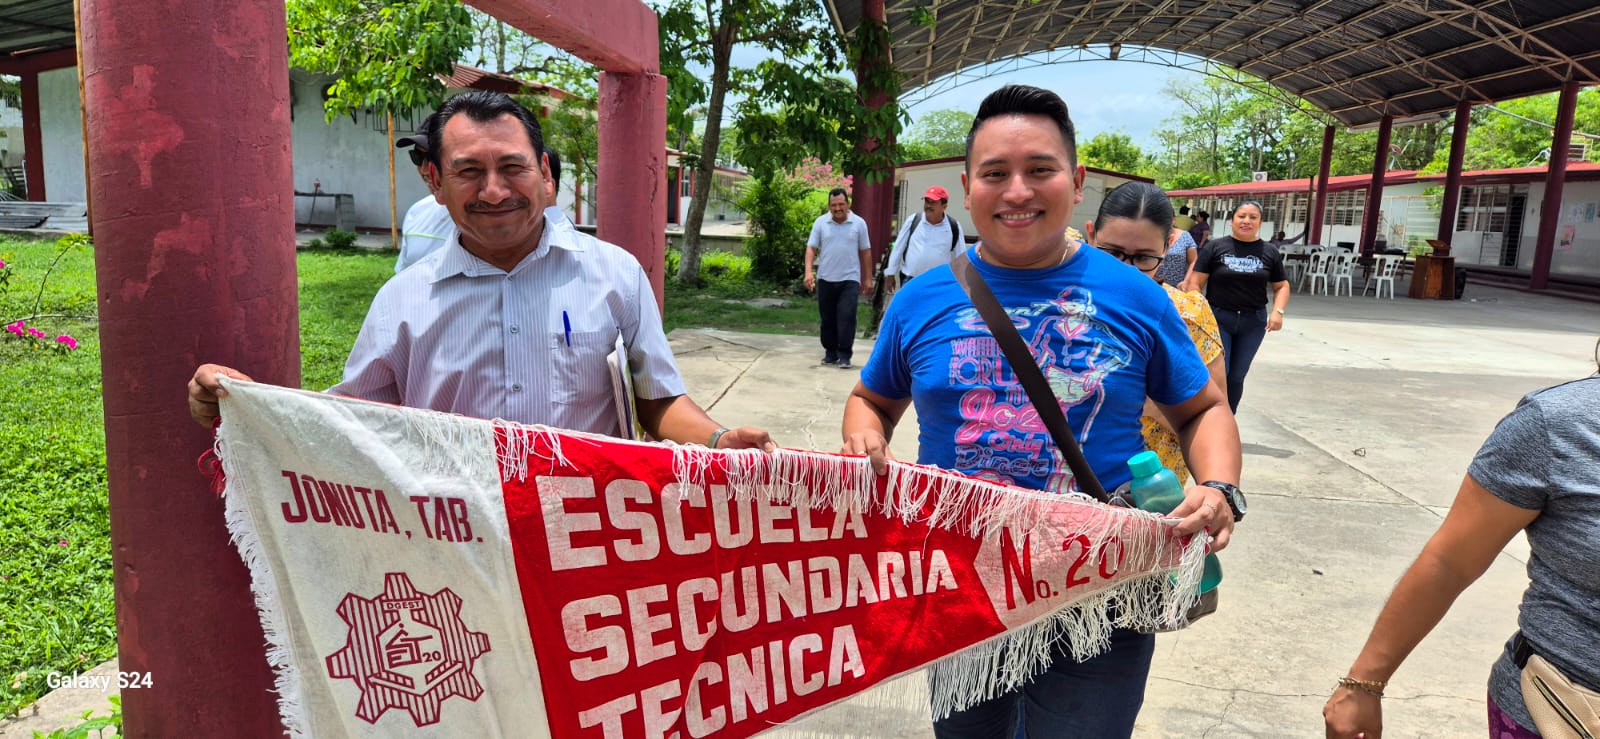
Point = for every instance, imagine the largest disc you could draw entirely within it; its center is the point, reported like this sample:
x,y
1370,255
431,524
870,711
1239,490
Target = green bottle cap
x,y
1144,464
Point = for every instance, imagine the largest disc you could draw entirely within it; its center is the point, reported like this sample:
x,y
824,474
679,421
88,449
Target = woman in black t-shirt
x,y
1236,272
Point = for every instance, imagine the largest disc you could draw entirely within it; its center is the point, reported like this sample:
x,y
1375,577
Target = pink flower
x,y
35,333
63,543
2,264
68,340
16,328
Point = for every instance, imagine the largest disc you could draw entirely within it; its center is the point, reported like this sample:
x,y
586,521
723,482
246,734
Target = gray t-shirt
x,y
1545,456
838,247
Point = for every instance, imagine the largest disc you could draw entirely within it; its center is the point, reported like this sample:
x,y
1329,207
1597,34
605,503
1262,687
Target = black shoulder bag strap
x,y
1028,373
955,234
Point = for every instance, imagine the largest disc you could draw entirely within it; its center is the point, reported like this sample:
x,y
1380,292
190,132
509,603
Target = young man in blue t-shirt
x,y
1106,337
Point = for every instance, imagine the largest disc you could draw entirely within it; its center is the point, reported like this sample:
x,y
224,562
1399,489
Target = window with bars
x,y
1345,208
1298,209
1483,208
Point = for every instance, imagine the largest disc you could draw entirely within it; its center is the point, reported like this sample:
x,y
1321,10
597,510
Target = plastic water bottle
x,y
1156,489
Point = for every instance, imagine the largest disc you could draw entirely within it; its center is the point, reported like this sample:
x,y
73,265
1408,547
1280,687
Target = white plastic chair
x,y
1384,274
1316,271
1293,267
1342,272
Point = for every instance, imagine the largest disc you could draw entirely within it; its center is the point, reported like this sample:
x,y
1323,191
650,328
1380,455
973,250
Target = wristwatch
x,y
1234,495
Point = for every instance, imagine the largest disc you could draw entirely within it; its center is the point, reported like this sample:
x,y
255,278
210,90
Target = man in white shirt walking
x,y
515,318
927,240
839,266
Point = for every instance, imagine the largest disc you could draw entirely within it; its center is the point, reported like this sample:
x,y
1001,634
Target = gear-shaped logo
x,y
407,650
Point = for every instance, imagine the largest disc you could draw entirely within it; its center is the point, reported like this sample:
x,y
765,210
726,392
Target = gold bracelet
x,y
1370,687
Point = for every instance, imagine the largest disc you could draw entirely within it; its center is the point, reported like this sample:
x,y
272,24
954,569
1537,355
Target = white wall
x,y
345,156
1582,256
61,123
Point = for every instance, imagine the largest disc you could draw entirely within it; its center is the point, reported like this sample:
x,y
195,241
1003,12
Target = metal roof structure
x,y
30,27
1357,60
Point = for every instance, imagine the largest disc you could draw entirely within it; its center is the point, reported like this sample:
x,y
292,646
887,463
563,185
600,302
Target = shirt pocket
x,y
581,375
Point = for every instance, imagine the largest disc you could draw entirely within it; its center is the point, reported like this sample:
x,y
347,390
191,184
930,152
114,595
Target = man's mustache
x,y
496,207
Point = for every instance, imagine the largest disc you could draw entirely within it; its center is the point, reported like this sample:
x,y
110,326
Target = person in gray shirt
x,y
1539,471
839,267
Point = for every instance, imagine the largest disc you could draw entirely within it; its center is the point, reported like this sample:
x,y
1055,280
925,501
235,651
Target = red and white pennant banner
x,y
420,574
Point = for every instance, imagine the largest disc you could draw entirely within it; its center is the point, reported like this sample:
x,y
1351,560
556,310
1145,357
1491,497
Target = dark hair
x,y
555,169
1204,216
1260,211
839,192
1027,100
1139,201
483,106
1183,211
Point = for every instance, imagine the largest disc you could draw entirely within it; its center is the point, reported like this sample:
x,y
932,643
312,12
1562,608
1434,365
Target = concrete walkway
x,y
1358,421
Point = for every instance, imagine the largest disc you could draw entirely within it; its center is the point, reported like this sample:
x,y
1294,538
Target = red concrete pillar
x,y
874,189
1320,203
188,130
32,137
1554,184
1380,167
632,171
1452,176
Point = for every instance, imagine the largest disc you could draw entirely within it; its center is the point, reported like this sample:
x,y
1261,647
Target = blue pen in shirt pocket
x,y
566,328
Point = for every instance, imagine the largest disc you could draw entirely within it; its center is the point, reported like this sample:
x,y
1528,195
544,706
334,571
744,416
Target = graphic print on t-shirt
x,y
1243,262
1001,437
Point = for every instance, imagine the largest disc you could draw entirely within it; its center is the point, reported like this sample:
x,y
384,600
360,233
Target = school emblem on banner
x,y
649,590
407,650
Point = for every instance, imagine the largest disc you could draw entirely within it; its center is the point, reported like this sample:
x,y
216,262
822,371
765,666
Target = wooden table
x,y
1434,278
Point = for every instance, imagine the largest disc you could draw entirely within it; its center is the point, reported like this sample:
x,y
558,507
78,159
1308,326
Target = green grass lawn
x,y
752,307
56,605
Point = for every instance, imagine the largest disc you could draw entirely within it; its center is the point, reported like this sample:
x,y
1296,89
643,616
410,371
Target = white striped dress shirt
x,y
459,335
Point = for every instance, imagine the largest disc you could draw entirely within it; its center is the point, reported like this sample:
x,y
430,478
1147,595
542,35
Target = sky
x,y
1104,96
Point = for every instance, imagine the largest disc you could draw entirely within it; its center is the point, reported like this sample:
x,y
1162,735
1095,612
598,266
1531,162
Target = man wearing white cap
x,y
927,240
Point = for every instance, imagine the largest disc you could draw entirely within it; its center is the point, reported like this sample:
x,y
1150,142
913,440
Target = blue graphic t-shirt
x,y
1105,335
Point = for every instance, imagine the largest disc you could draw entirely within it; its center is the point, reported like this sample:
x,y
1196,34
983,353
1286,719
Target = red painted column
x,y
1320,202
32,137
1452,175
1380,167
188,130
632,170
1555,182
873,191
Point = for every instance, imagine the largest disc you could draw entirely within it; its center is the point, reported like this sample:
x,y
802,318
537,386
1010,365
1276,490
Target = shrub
x,y
338,239
781,211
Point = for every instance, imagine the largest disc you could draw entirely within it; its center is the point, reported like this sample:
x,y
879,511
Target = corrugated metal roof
x,y
1358,60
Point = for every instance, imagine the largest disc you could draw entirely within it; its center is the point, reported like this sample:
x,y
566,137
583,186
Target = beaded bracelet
x,y
1370,687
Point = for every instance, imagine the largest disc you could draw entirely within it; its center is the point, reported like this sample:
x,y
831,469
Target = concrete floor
x,y
1358,422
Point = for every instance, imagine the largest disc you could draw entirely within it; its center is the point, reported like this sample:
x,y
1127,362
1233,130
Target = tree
x,y
701,36
1113,151
936,135
1518,134
387,55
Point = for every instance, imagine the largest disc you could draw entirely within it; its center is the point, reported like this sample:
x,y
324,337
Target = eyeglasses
x,y
1141,262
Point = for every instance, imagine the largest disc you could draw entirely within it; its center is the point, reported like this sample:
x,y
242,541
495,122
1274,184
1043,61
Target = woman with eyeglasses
x,y
1237,273
1135,225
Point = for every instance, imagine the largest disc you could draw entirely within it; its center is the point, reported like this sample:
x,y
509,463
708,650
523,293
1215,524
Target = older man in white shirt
x,y
428,225
515,318
926,240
